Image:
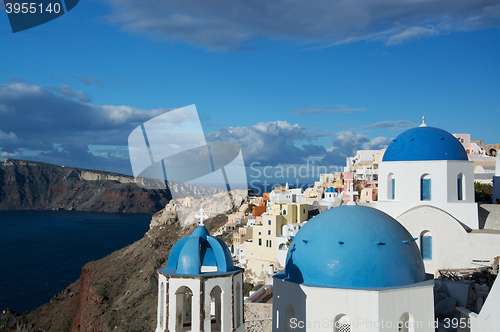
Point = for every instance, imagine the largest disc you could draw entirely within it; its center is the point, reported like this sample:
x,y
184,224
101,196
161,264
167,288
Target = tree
x,y
249,208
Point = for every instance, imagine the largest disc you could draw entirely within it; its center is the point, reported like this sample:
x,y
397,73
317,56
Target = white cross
x,y
201,216
423,122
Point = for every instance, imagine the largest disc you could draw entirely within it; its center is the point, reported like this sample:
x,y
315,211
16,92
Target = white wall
x,y
239,325
369,310
443,188
281,254
452,246
161,317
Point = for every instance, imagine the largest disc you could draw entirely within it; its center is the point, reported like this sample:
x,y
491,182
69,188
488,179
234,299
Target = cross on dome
x,y
423,122
201,216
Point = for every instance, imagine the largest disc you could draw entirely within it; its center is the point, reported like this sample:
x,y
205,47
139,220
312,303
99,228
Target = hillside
x,y
28,185
116,293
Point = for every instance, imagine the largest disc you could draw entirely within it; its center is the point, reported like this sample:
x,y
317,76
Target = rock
x,y
27,185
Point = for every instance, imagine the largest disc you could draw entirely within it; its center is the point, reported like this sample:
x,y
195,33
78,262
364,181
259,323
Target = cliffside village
x,y
260,239
397,237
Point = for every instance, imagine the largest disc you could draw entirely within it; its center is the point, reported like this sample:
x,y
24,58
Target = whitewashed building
x,y
353,268
284,194
199,280
426,182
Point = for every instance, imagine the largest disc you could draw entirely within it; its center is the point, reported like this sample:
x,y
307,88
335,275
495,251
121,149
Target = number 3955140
x,y
32,8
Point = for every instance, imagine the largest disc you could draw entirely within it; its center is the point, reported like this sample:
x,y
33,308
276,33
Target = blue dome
x,y
330,190
199,249
354,247
425,143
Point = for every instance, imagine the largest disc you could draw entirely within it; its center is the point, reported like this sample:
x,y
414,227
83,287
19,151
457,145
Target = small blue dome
x,y
199,249
425,143
354,247
330,190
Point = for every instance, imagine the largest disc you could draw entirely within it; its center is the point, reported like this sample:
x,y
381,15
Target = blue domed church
x,y
353,268
426,183
200,289
427,166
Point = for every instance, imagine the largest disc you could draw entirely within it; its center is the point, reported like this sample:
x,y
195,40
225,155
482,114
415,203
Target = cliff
x,y
27,185
116,293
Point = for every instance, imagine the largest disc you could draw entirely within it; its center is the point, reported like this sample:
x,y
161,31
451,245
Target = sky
x,y
290,82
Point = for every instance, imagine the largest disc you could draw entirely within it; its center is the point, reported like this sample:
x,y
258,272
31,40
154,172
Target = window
x,y
216,306
284,212
260,241
391,186
406,323
342,323
289,314
269,222
460,187
183,304
425,187
269,232
426,245
270,244
259,233
238,309
162,303
304,211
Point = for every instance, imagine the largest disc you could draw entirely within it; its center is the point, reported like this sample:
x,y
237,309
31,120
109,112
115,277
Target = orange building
x,y
262,207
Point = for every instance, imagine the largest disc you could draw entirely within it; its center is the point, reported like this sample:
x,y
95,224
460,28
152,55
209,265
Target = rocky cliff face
x,y
116,293
27,185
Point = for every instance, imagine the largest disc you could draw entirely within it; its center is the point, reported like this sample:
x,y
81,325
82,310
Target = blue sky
x,y
286,81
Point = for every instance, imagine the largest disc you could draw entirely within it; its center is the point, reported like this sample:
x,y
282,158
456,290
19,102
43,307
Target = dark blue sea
x,y
41,252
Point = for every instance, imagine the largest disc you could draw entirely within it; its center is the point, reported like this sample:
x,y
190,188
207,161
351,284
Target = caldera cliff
x,y
28,185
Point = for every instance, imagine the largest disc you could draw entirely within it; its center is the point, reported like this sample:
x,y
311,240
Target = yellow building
x,y
267,237
293,213
244,234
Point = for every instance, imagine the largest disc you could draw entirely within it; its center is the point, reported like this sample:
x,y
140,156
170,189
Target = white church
x,y
426,182
200,289
353,268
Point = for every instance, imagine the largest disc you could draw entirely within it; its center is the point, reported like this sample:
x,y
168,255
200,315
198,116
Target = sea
x,y
42,252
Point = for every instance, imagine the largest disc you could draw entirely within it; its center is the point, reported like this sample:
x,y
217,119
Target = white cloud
x,y
228,25
4,110
409,34
348,142
278,142
400,124
60,128
89,80
66,90
8,138
56,125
